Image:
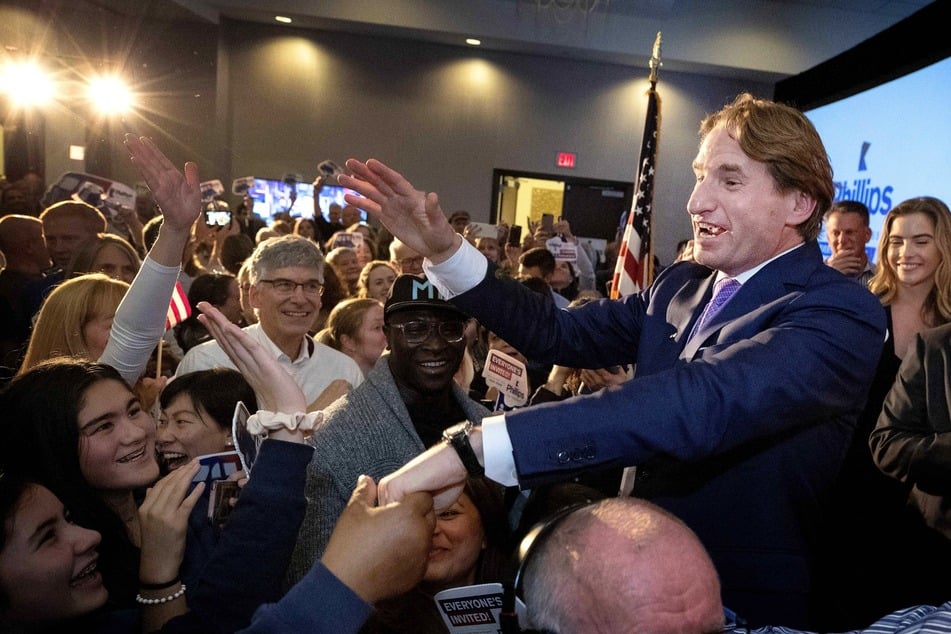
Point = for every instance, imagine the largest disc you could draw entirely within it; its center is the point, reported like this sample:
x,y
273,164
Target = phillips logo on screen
x,y
865,147
867,189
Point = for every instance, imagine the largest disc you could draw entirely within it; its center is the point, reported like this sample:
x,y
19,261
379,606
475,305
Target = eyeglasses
x,y
411,262
287,287
416,332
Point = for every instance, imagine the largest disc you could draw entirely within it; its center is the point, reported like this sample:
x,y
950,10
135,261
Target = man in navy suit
x,y
738,428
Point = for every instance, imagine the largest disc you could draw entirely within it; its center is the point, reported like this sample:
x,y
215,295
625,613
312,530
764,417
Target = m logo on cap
x,y
424,286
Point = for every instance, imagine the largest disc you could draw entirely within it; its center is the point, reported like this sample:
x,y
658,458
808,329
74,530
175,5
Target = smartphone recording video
x,y
515,235
548,223
217,218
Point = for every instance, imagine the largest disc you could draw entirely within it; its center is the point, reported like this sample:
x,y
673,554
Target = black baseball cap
x,y
413,292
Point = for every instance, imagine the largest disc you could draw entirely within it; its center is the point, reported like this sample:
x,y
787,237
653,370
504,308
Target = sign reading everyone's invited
x,y
474,609
507,375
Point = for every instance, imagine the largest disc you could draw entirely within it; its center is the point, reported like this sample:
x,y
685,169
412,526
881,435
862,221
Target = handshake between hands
x,y
381,551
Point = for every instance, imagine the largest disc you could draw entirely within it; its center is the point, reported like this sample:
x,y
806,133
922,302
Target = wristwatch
x,y
458,437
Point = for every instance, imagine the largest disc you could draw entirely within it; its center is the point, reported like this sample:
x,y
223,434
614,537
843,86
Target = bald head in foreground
x,y
621,565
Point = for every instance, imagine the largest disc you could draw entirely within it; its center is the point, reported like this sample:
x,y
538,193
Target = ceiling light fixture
x,y
473,41
283,19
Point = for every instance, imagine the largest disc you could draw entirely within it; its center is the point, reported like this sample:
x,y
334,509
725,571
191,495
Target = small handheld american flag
x,y
178,309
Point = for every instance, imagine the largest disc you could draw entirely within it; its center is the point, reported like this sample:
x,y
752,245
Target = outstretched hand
x,y
381,551
276,390
437,471
177,193
410,214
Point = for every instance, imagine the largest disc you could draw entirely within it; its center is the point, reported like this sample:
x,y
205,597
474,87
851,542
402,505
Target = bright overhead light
x,y
473,41
283,19
110,95
26,84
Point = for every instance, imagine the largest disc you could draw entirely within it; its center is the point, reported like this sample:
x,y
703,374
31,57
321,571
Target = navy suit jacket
x,y
739,431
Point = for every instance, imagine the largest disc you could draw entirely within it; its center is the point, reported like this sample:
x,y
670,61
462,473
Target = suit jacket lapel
x,y
772,281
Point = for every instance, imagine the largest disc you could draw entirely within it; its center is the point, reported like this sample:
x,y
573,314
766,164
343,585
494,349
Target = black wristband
x,y
159,586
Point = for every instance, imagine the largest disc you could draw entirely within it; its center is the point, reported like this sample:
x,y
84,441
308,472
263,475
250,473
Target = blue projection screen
x,y
890,143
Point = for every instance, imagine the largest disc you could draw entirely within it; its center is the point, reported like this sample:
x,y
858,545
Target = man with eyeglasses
x,y
286,282
399,411
406,261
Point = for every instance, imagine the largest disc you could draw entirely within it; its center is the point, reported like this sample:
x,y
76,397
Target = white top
x,y
140,320
314,369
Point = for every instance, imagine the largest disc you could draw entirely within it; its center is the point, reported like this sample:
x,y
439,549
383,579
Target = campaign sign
x,y
217,466
483,230
507,375
474,609
210,190
102,193
563,251
353,239
240,186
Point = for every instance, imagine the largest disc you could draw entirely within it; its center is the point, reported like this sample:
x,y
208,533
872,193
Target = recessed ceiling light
x,y
473,41
283,19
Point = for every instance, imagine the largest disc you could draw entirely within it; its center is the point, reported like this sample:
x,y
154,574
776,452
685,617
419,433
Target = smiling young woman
x,y
78,428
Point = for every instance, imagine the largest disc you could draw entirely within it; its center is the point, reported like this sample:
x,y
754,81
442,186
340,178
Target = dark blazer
x,y
912,439
739,431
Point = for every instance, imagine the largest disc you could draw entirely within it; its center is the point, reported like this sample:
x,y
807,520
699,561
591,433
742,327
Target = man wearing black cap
x,y
395,414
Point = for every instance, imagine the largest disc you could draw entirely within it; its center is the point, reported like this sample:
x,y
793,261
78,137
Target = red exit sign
x,y
566,159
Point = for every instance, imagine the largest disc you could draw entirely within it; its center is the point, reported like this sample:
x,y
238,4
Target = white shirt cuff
x,y
461,272
497,450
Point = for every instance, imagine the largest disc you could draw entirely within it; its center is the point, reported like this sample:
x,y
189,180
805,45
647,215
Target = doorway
x,y
592,207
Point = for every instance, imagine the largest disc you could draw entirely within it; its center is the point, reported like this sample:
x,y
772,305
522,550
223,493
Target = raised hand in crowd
x,y
163,521
176,192
258,366
410,214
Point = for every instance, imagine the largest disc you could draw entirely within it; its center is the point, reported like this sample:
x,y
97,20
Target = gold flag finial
x,y
655,62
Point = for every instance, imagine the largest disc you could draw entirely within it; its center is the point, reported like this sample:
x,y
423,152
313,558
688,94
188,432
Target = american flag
x,y
634,270
179,308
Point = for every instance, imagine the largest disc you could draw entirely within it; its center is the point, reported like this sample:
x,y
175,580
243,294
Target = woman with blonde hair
x,y
75,319
347,266
375,280
105,253
913,280
868,508
355,328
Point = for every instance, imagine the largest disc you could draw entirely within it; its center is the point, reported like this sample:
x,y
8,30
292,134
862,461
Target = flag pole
x,y
634,269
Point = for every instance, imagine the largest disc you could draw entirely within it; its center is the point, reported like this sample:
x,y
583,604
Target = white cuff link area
x,y
264,421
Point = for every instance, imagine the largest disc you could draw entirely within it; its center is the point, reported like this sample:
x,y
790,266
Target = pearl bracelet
x,y
140,599
262,421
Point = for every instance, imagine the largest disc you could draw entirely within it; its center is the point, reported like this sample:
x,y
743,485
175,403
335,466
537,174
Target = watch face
x,y
459,429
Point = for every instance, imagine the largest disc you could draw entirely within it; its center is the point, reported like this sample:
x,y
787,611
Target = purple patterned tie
x,y
722,292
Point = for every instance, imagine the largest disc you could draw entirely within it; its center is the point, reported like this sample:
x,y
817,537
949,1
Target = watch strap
x,y
458,437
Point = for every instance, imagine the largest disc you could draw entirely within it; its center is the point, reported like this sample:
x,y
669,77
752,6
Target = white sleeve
x,y
140,320
460,273
586,275
497,451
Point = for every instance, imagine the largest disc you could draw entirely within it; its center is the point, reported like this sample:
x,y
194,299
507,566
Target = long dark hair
x,y
13,488
40,410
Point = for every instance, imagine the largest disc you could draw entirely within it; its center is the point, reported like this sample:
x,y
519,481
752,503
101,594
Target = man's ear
x,y
253,296
802,209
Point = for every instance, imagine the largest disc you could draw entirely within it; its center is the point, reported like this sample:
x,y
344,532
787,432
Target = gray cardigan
x,y
368,431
